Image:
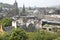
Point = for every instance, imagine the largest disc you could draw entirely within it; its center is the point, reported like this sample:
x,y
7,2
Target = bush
x,y
57,38
4,36
6,21
18,34
41,35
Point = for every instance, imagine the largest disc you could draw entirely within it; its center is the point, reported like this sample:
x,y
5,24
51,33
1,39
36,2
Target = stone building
x,y
16,8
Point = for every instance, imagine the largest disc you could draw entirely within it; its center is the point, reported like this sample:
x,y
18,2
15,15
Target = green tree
x,y
18,34
6,21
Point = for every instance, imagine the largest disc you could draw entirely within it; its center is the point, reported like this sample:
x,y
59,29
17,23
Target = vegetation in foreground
x,y
20,34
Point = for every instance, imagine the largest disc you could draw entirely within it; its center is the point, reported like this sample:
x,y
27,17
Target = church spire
x,y
15,4
16,8
15,1
23,11
23,8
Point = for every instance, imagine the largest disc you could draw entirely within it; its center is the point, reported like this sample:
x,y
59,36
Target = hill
x,y
4,5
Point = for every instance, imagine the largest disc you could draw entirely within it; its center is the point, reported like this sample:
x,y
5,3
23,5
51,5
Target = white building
x,y
14,24
20,21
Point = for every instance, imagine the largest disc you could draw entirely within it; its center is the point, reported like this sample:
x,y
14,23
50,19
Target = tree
x,y
18,34
6,21
31,28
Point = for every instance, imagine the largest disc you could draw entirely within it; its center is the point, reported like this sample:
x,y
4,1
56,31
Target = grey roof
x,y
57,22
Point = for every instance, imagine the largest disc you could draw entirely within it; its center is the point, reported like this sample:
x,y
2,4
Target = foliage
x,y
42,35
6,21
4,36
31,28
57,38
55,29
18,34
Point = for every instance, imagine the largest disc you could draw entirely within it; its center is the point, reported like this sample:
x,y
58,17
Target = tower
x,y
1,7
16,8
15,4
23,8
23,11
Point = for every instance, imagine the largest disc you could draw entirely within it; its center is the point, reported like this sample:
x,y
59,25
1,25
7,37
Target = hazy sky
x,y
32,3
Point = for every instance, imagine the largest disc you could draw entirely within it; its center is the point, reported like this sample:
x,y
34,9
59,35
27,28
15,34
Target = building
x,y
23,11
14,24
16,12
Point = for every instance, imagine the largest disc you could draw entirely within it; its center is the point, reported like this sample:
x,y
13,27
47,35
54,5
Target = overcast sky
x,y
33,3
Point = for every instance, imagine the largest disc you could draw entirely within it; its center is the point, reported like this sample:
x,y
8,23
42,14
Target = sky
x,y
33,3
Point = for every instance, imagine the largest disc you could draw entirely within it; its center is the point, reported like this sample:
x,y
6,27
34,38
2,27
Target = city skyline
x,y
33,3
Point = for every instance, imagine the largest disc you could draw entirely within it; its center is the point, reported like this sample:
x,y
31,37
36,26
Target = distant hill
x,y
56,6
4,5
